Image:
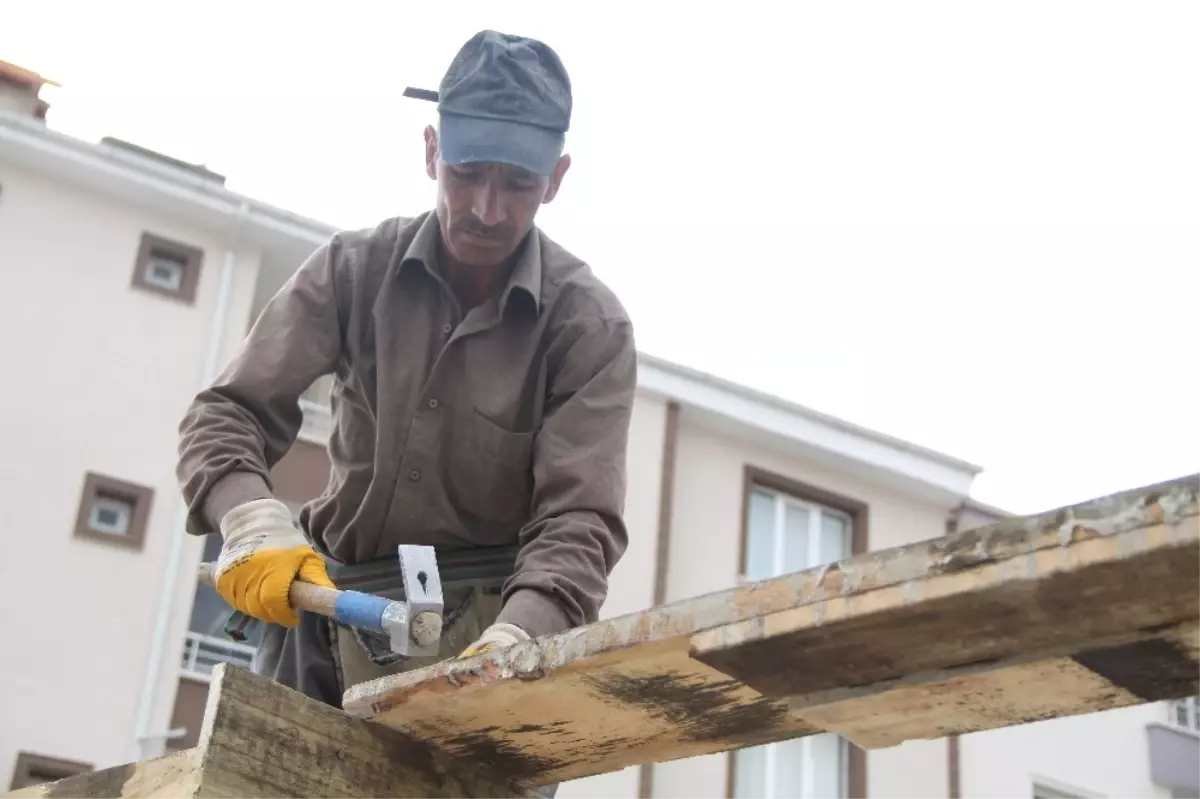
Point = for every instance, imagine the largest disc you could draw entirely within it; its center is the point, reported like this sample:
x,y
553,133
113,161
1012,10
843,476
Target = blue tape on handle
x,y
360,610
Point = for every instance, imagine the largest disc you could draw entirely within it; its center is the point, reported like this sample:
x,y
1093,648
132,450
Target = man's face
x,y
486,209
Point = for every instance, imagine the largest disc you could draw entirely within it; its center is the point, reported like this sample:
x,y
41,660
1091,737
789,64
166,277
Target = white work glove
x,y
497,636
262,555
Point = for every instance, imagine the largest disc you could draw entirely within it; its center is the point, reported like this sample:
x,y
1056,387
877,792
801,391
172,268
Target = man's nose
x,y
487,206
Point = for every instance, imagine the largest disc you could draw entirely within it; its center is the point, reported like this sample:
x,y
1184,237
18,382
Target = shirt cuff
x,y
534,612
235,488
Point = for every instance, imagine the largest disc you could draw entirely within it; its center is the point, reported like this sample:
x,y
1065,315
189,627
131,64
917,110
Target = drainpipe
x,y
143,737
953,747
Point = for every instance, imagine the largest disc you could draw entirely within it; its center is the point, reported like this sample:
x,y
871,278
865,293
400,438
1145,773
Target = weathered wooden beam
x,y
168,776
1111,613
260,739
1079,609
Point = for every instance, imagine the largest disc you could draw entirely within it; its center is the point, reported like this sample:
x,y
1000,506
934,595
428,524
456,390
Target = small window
x,y
165,271
167,267
112,510
110,515
34,769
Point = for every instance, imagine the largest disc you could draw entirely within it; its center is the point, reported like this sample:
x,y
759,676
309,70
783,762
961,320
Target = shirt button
x,y
414,475
446,329
433,403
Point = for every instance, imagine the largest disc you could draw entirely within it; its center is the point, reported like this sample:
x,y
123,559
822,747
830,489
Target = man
x,y
483,385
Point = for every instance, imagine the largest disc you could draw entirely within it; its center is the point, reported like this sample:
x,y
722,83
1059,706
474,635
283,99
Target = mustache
x,y
473,226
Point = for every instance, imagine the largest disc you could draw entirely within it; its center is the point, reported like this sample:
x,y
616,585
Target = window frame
x,y
813,495
191,260
30,761
855,772
139,497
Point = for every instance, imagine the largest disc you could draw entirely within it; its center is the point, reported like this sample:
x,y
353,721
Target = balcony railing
x,y
202,652
1186,713
315,404
1175,748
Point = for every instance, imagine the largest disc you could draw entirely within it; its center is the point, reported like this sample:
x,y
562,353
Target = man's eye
x,y
466,176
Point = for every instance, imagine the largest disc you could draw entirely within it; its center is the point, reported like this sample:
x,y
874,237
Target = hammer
x,y
413,625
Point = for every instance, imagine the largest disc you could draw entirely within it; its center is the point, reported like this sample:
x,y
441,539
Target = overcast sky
x,y
974,225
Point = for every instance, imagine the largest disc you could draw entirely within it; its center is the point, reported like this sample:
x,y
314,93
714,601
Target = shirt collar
x,y
526,275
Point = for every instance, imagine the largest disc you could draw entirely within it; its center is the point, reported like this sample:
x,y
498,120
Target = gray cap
x,y
505,99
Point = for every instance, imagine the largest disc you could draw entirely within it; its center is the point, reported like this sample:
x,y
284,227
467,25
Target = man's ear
x,y
556,178
431,151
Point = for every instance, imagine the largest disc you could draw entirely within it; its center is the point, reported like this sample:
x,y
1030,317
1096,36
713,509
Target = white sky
x,y
972,225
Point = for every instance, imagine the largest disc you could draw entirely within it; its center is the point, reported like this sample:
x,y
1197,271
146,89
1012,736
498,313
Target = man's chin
x,y
481,255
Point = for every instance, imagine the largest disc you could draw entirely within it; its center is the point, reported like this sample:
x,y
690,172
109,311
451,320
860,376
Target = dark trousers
x,y
301,658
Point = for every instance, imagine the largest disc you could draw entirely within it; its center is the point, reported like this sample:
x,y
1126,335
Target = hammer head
x,y
414,624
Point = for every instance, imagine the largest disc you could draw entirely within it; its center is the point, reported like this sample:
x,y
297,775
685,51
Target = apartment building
x,y
132,277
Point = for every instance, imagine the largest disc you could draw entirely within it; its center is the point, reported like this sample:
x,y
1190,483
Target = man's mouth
x,y
481,238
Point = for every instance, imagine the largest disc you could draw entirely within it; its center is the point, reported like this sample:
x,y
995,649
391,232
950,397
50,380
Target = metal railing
x,y
314,402
1186,713
318,392
202,652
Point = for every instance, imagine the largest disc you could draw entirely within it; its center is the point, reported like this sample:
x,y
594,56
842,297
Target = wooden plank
x,y
173,775
983,611
1019,690
260,739
588,716
636,689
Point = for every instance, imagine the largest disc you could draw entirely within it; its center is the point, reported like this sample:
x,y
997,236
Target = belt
x,y
474,567
479,568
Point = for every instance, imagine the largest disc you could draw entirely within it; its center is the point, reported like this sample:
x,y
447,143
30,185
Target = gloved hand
x,y
498,635
263,553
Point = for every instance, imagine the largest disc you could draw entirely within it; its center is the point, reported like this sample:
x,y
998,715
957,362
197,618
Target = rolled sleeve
x,y
577,532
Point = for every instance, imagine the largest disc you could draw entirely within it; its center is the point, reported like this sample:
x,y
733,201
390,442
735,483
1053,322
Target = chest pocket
x,y
491,470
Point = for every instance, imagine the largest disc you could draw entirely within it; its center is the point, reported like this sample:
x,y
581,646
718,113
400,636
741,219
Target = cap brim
x,y
466,140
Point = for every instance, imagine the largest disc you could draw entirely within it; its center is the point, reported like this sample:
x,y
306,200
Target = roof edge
x,y
796,409
983,507
143,168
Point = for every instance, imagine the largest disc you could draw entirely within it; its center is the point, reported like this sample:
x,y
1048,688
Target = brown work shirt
x,y
506,425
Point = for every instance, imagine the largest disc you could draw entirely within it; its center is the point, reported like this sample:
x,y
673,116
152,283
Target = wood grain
x,y
260,739
636,689
1143,579
1019,690
175,775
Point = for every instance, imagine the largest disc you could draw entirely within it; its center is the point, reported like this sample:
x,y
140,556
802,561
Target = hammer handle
x,y
353,608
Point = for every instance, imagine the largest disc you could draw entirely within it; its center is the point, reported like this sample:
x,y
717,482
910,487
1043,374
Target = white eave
x,y
149,183
783,425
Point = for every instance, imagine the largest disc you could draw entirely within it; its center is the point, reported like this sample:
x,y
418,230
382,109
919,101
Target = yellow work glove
x,y
497,636
262,555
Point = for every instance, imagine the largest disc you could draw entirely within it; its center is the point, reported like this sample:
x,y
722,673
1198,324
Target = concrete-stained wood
x,y
721,671
591,717
1083,590
260,739
1025,693
1034,686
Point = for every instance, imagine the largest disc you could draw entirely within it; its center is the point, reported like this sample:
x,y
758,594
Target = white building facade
x,y
132,277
